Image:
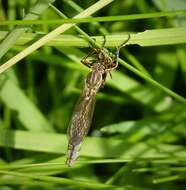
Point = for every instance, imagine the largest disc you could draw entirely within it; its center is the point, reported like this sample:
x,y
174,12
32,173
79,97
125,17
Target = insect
x,y
83,112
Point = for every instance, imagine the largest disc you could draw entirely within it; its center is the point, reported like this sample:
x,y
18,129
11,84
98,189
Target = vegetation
x,y
137,136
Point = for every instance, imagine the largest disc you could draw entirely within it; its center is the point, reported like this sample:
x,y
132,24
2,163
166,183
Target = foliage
x,y
137,136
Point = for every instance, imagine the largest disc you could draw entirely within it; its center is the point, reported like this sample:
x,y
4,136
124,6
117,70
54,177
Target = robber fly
x,y
83,112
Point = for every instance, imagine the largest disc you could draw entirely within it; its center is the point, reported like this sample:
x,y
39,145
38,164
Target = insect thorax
x,y
106,60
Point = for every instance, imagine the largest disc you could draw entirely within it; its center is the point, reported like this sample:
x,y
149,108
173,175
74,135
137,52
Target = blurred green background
x,y
137,136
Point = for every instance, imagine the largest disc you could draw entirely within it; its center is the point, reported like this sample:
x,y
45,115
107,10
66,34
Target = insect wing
x,y
82,117
79,126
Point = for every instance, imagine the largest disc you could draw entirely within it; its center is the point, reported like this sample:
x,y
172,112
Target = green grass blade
x,y
28,114
34,14
155,37
97,19
168,178
153,82
60,180
100,147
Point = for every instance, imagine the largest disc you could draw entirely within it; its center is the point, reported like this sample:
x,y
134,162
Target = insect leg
x,y
104,42
118,49
85,60
104,79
